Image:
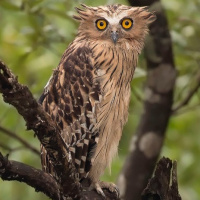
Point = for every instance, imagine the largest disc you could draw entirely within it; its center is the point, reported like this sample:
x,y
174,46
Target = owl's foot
x,y
98,186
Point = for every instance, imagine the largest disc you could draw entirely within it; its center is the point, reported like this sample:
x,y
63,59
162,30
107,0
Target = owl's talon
x,y
97,187
100,185
111,187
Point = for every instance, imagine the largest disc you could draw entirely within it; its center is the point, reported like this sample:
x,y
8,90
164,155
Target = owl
x,y
89,92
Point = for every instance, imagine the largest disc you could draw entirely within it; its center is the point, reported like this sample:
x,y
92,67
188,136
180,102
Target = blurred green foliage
x,y
33,36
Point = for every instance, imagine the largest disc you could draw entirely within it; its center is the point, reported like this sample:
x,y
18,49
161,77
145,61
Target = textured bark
x,y
148,140
41,181
164,184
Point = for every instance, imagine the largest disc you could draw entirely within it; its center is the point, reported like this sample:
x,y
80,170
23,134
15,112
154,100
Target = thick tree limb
x,y
41,181
40,122
164,184
147,142
21,140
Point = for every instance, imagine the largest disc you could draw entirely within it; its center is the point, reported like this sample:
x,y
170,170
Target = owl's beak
x,y
114,36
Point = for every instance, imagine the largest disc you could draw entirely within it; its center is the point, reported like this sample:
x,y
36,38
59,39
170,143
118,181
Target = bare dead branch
x,y
41,181
21,140
164,184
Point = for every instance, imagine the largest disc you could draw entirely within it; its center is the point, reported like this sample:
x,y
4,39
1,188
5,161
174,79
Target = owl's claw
x,y
98,186
111,187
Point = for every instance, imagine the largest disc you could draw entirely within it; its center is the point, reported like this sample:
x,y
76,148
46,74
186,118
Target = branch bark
x,y
147,142
164,184
41,181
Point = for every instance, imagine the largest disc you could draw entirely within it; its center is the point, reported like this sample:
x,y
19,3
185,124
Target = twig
x,y
41,181
185,87
187,109
21,140
3,146
189,95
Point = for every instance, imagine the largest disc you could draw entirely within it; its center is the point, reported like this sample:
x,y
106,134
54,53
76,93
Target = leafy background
x,y
33,36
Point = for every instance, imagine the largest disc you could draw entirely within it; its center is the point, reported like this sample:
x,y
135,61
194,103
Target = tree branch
x,y
146,144
2,145
41,181
6,147
41,123
21,140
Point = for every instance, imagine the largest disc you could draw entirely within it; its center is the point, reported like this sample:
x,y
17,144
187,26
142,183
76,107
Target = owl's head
x,y
114,24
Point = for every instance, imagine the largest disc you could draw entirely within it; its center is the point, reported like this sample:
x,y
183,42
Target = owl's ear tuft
x,y
146,15
76,17
82,13
150,17
84,6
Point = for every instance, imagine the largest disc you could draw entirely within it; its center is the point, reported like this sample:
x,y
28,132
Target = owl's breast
x,y
114,70
113,108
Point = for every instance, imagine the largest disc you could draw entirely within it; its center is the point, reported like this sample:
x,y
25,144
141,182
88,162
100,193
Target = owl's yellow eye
x,y
101,24
127,23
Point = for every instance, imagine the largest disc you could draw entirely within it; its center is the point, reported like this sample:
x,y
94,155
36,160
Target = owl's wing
x,y
71,97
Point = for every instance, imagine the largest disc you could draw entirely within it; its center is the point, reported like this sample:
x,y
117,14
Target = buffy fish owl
x,y
89,92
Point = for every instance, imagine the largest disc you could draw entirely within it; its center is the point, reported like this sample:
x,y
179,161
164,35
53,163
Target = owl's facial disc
x,y
114,28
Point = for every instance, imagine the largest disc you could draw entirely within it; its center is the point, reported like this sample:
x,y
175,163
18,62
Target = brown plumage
x,y
88,94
